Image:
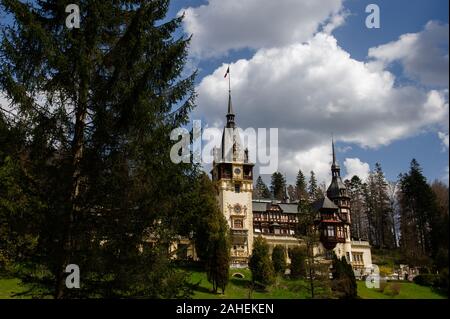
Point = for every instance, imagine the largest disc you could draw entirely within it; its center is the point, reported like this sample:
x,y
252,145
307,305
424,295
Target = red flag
x,y
228,71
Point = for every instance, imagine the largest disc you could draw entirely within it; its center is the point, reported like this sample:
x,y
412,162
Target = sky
x,y
314,70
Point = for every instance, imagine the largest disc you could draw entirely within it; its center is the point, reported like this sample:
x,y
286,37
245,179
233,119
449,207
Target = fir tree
x,y
298,262
97,105
344,281
211,234
261,190
301,186
313,190
420,223
260,264
278,186
279,259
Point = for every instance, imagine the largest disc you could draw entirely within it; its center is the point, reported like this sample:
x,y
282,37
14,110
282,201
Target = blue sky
x,y
398,17
326,85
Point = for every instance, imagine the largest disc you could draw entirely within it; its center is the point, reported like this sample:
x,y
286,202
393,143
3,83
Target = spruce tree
x,y
279,259
301,186
383,223
261,190
313,190
344,281
211,234
298,262
260,264
420,223
97,105
278,186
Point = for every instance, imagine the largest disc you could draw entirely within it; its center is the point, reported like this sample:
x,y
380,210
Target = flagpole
x,y
229,80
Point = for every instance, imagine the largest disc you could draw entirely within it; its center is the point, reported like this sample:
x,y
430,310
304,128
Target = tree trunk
x,y
77,156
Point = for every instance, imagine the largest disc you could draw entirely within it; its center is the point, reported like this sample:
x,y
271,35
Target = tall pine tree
x,y
301,186
97,105
261,190
278,186
421,228
313,189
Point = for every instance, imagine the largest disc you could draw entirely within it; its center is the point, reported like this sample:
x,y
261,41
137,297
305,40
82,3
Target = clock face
x,y
237,209
237,171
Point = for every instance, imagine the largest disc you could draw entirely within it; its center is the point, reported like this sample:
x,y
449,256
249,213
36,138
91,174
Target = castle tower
x,y
234,176
338,193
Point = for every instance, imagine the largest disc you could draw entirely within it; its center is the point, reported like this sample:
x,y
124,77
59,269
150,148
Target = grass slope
x,y
408,290
238,288
9,287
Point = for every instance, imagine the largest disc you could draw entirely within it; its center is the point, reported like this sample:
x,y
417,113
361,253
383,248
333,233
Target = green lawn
x,y
407,290
9,287
238,288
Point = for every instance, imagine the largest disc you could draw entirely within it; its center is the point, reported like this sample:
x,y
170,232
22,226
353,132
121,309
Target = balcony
x,y
239,232
329,242
364,243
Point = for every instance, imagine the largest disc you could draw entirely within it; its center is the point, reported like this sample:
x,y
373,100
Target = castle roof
x,y
263,205
324,203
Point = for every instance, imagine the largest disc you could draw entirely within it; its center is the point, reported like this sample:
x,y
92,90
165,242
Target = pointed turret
x,y
230,113
337,191
335,169
337,186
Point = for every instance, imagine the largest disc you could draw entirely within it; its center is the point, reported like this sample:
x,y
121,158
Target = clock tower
x,y
233,174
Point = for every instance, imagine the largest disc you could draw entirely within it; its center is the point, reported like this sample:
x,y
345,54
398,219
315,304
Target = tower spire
x,y
334,154
230,113
335,169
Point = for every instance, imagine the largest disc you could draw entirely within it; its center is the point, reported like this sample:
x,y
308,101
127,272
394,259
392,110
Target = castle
x,y
276,221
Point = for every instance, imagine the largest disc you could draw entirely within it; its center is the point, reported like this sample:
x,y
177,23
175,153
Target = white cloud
x,y
311,90
221,26
423,55
316,158
335,21
354,166
444,139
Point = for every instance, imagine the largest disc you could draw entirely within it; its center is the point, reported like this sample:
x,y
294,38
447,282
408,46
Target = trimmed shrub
x,y
298,266
279,259
428,280
393,289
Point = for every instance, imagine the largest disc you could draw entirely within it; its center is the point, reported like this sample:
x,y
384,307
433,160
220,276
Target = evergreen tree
x,y
261,190
279,259
298,262
313,189
278,186
260,264
211,235
344,281
420,223
97,105
301,186
384,228
218,264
